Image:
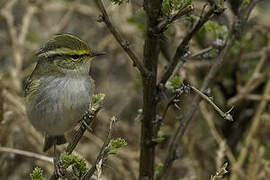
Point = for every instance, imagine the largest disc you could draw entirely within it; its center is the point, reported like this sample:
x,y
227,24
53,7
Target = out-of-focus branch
x,y
17,38
218,137
165,48
27,154
67,5
253,129
253,82
257,97
30,11
123,43
1,101
65,19
102,152
182,48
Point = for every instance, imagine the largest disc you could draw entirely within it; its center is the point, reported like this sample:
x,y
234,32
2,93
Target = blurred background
x,y
209,141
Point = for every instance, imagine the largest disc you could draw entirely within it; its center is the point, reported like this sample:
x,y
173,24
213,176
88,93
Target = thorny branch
x,y
86,122
225,115
182,48
208,78
163,25
200,53
123,43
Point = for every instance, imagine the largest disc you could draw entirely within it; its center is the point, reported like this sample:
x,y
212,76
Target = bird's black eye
x,y
75,56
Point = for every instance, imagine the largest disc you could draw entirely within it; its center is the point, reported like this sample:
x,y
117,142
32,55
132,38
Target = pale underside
x,y
60,104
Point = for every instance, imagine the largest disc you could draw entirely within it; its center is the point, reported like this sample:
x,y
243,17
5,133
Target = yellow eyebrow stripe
x,y
64,51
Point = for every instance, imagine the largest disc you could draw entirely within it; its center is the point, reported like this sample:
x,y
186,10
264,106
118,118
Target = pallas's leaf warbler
x,y
59,90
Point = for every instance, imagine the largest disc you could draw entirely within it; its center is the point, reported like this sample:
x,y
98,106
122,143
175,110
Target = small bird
x,y
59,90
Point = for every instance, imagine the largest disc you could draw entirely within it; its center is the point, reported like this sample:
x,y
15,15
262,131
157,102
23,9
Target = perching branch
x,y
123,43
88,119
86,122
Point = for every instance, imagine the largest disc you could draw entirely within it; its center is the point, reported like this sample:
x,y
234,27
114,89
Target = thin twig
x,y
27,154
163,25
102,151
201,52
182,48
225,115
123,43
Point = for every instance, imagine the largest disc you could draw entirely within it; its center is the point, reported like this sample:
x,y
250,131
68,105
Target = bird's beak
x,y
95,53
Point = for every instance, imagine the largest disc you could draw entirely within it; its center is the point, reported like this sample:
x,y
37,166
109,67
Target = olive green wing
x,y
31,89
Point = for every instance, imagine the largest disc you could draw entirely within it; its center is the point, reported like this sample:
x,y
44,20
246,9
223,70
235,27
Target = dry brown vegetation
x,y
210,146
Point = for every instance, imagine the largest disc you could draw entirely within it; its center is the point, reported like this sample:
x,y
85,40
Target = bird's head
x,y
68,53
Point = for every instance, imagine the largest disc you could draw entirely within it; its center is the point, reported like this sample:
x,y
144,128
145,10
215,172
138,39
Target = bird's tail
x,y
51,140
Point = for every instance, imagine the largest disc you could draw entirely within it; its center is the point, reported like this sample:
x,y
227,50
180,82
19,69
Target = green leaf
x,y
78,164
158,139
37,174
119,2
244,3
158,169
139,19
165,7
115,144
192,21
174,83
96,102
169,6
219,31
